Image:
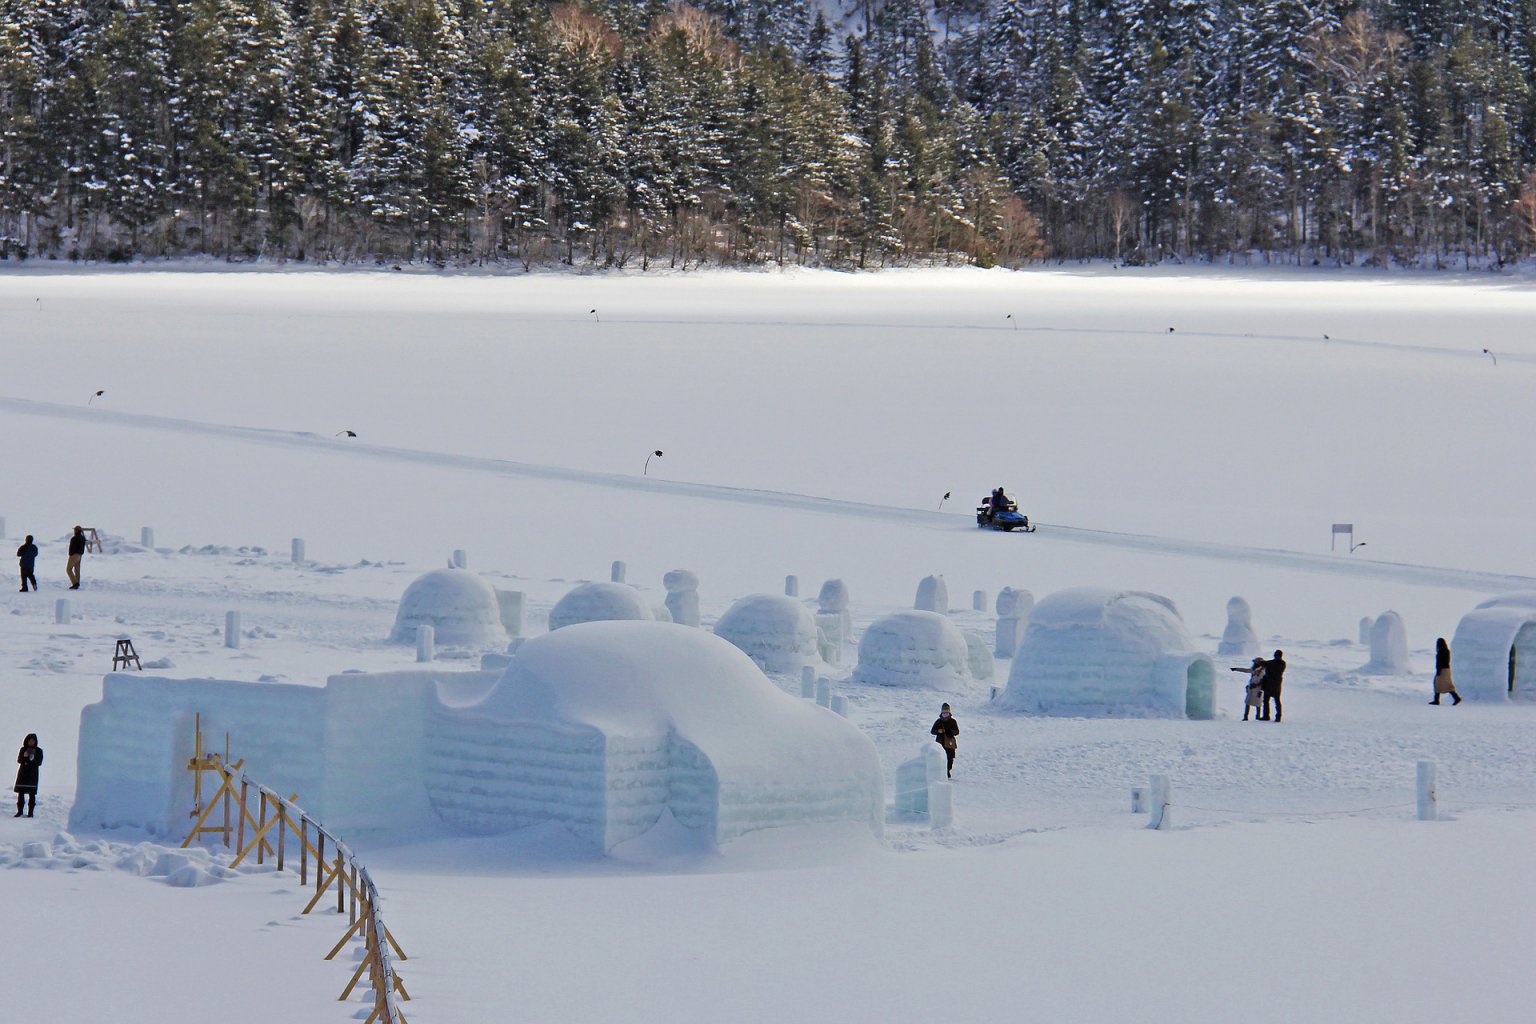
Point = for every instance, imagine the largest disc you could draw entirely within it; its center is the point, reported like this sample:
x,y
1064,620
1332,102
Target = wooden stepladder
x,y
93,541
124,654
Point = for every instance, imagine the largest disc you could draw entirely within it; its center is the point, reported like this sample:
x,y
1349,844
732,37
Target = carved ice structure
x,y
606,729
1238,639
1090,651
775,631
460,606
1493,654
599,602
918,649
682,596
1389,647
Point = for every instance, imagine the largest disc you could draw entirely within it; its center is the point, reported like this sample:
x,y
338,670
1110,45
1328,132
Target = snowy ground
x,y
811,423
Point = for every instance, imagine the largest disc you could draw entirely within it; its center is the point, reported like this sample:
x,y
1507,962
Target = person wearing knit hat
x,y
945,730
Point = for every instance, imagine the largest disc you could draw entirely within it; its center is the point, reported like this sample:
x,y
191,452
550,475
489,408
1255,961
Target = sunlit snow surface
x,y
811,423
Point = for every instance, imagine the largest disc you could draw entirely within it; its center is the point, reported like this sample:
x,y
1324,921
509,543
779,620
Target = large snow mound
x,y
1098,651
609,727
598,602
775,631
915,648
459,605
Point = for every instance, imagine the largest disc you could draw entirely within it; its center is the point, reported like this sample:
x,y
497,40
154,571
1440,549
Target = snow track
x,y
1347,567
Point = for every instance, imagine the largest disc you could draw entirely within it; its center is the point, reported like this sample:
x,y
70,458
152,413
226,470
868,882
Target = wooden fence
x,y
265,832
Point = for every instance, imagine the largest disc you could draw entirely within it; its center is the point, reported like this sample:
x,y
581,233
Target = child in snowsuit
x,y
945,729
1253,697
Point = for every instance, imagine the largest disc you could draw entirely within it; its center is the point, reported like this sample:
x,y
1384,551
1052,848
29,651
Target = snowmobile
x,y
1007,518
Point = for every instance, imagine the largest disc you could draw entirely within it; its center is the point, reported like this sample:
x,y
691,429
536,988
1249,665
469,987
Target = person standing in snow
x,y
945,730
1274,674
1443,683
30,760
76,552
1253,695
27,553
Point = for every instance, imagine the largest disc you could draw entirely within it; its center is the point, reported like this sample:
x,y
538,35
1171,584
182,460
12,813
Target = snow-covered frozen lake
x,y
1193,434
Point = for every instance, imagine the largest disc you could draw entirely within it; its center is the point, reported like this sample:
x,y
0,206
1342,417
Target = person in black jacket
x,y
30,760
945,729
28,555
76,552
1274,672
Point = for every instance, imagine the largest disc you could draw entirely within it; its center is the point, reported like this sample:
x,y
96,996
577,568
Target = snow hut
x,y
1493,654
1089,651
461,607
775,631
916,649
598,602
609,727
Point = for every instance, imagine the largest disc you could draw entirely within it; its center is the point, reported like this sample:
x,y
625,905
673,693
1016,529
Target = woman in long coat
x,y
30,759
1443,683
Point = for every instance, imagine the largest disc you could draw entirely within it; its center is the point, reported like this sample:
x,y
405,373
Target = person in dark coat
x,y
30,760
1274,673
76,552
28,555
945,730
1443,683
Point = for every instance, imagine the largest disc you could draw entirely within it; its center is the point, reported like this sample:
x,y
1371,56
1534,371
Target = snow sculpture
x,y
1238,640
1013,607
617,572
62,615
298,551
598,602
460,559
1389,647
607,727
1093,651
232,629
775,631
460,606
425,635
146,537
682,596
833,597
978,600
833,619
791,586
915,648
932,595
1366,622
1493,653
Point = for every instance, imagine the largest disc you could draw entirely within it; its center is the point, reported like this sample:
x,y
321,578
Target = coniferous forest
x,y
845,133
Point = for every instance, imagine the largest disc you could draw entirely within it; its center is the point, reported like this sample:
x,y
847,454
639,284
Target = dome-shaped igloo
x,y
914,648
599,602
1096,652
606,726
1493,653
460,606
775,631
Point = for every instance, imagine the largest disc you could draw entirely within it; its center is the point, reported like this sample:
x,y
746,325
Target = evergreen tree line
x,y
632,132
